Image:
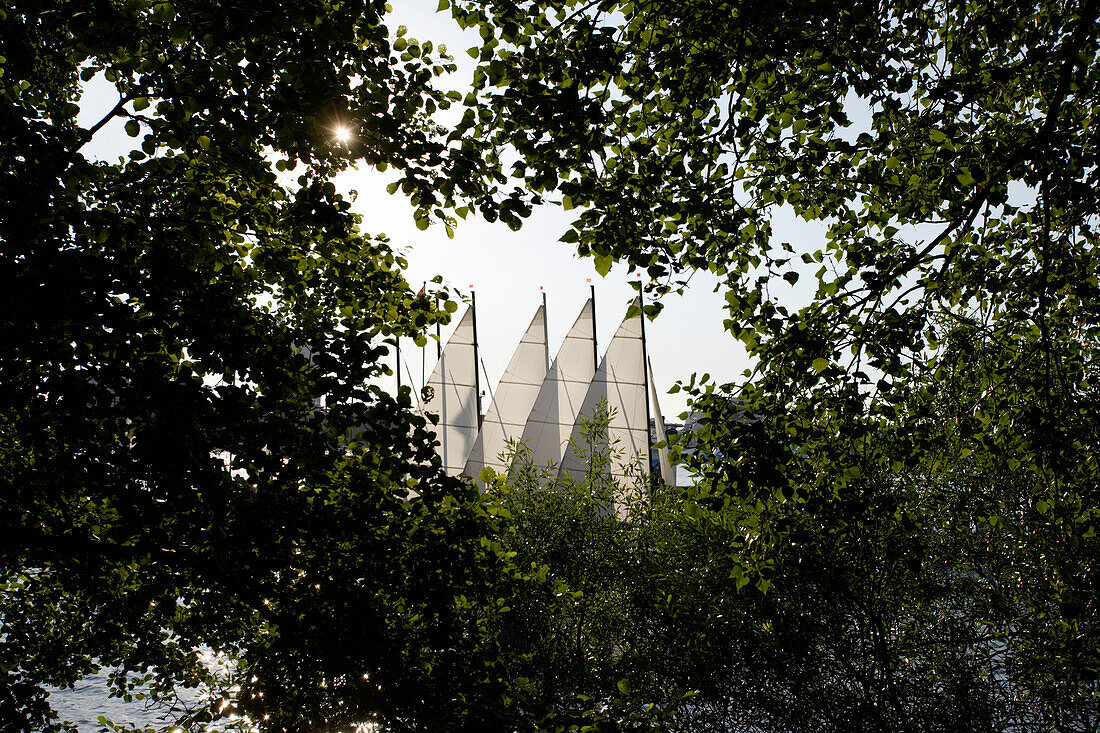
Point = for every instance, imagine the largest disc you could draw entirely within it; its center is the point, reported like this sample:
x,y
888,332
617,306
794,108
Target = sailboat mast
x,y
423,357
477,377
545,331
595,351
443,384
438,334
645,378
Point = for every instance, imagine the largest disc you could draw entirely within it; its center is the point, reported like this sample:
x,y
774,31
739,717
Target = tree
x,y
196,458
589,544
947,151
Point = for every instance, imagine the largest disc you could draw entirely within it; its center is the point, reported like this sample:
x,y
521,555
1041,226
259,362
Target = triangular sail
x,y
559,398
513,399
667,476
620,383
453,386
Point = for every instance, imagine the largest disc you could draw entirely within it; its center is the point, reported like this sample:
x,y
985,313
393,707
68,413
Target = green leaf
x,y
603,264
820,364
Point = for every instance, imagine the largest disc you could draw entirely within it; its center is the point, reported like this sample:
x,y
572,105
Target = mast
x,y
545,331
438,333
645,375
477,378
423,353
443,392
595,351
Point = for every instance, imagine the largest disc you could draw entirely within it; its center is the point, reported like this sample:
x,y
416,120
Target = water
x,y
89,699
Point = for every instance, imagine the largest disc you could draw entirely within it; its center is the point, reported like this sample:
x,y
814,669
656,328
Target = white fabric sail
x,y
667,476
620,382
513,399
560,396
453,385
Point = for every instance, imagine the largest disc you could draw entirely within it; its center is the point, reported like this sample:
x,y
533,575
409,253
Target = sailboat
x,y
622,384
544,407
513,399
558,403
453,395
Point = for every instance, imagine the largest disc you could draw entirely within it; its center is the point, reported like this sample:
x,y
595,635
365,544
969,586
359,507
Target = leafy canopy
x,y
196,459
943,329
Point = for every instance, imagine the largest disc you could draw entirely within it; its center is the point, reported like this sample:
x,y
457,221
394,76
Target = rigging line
x,y
500,420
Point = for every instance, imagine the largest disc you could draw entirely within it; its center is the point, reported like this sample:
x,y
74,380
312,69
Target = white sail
x,y
453,385
667,476
559,398
513,399
620,383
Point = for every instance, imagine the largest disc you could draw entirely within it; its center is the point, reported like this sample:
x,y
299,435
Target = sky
x,y
508,269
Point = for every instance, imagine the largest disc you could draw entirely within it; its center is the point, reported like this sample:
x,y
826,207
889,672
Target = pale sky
x,y
508,268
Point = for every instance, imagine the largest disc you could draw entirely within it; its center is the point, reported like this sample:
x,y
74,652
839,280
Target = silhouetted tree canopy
x,y
202,488
197,462
923,397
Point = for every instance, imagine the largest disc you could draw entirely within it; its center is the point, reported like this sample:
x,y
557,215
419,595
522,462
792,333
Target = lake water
x,y
88,700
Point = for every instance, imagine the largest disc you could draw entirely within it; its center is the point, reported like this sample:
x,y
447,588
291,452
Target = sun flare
x,y
342,134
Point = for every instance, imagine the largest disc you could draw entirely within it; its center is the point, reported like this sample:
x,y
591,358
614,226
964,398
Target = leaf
x,y
603,264
820,364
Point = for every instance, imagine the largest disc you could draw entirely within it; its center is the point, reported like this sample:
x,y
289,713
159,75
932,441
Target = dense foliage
x,y
895,526
920,424
894,607
201,485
